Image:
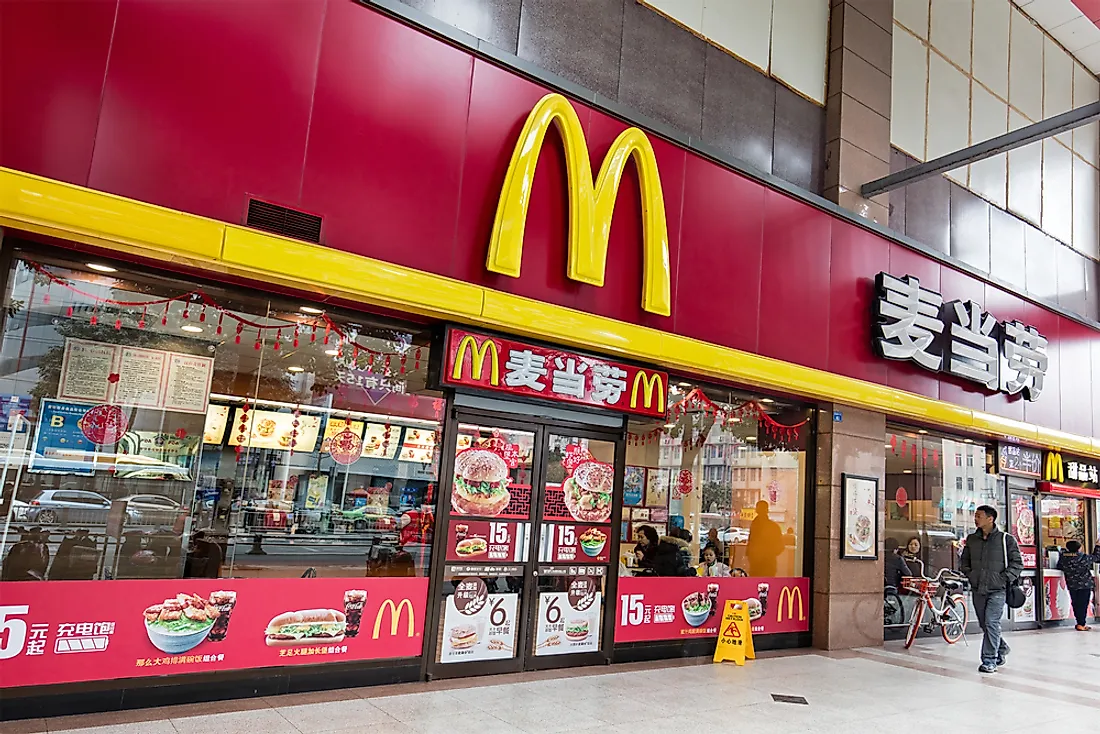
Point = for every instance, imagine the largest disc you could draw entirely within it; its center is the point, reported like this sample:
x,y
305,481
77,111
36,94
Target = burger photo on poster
x,y
463,637
306,627
588,491
471,547
480,483
576,629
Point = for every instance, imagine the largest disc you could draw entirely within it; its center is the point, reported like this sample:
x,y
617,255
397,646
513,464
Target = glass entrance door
x,y
527,514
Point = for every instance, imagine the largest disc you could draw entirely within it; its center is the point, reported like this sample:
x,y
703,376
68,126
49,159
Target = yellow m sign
x,y
395,617
653,386
788,594
1054,471
591,202
478,354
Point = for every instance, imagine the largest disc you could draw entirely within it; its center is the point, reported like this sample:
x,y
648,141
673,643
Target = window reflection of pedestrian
x,y
765,543
204,559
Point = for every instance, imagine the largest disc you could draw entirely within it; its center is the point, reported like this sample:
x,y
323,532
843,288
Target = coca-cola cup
x,y
354,601
762,595
460,532
223,601
712,593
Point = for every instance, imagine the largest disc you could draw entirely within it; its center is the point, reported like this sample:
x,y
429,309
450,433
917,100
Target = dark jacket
x,y
77,558
668,560
894,570
28,559
983,561
1077,568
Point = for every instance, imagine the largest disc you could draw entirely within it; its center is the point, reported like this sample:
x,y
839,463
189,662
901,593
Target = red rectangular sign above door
x,y
494,363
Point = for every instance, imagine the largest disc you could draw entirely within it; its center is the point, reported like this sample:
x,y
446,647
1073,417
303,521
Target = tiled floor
x,y
1052,680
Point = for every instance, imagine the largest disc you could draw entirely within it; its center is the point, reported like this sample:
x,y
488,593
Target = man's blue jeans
x,y
990,608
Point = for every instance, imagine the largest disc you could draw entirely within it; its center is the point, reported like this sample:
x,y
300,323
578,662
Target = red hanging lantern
x,y
295,337
141,321
202,314
164,316
278,339
416,365
240,328
69,311
221,316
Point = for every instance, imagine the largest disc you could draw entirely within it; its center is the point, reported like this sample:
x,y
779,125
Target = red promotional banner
x,y
574,544
69,631
504,365
651,609
484,540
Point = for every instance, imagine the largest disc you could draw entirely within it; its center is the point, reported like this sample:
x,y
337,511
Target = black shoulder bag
x,y
1014,593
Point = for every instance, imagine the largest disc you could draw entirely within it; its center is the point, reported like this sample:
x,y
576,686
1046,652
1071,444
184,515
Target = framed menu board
x,y
859,517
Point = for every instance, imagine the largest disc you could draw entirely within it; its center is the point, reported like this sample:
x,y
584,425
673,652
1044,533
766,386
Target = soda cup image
x,y
762,595
354,601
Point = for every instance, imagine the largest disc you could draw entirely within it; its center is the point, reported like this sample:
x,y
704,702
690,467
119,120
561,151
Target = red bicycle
x,y
946,606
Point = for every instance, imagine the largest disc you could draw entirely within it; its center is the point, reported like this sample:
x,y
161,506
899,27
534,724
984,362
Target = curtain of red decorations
x,y
699,408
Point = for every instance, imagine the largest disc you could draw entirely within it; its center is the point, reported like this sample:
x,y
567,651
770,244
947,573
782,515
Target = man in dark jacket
x,y
991,561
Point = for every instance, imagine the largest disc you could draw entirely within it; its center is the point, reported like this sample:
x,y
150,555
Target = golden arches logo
x,y
653,387
790,593
591,202
395,617
1054,470
478,354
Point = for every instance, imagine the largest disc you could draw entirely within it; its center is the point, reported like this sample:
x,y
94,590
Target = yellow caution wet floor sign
x,y
735,634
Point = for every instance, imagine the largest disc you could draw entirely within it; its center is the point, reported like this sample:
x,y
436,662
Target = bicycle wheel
x,y
914,624
893,611
953,620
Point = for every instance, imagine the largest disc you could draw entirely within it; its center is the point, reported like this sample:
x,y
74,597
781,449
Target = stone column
x,y
857,109
847,593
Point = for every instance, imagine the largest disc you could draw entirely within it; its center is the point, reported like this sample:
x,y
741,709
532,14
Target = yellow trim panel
x,y
122,225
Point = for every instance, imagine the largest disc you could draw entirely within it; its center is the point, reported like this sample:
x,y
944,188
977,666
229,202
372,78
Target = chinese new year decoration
x,y
697,409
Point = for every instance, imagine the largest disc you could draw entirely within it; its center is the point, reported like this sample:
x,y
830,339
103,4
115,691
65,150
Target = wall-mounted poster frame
x,y
859,508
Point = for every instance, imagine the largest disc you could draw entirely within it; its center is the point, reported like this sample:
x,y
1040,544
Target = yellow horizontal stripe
x,y
123,225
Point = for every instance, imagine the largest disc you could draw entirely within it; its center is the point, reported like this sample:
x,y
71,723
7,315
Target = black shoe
x,y
984,668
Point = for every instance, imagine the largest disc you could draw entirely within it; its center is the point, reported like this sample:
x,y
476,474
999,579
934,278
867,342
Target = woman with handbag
x,y
1077,568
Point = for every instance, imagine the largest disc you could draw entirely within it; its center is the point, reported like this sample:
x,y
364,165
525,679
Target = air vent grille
x,y
283,220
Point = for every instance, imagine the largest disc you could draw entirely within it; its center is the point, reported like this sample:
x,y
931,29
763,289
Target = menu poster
x,y
267,429
656,488
419,446
859,513
478,625
574,544
135,377
235,624
216,418
335,426
316,491
59,444
633,485
381,441
651,609
569,621
487,541
1026,613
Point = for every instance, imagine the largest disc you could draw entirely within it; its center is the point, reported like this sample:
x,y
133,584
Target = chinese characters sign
x,y
493,363
1019,461
144,628
915,324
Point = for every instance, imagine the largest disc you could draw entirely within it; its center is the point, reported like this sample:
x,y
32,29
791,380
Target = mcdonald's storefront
x,y
508,411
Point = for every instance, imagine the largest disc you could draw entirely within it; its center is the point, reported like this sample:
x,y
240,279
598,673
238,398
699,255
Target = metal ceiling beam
x,y
994,146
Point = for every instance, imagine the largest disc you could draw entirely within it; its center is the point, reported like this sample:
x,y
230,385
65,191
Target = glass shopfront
x,y
238,481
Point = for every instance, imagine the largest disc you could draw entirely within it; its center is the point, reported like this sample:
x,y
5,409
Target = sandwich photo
x,y
588,492
306,627
463,637
481,483
471,547
576,629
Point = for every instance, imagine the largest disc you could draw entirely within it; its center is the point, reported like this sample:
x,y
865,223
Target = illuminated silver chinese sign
x,y
914,324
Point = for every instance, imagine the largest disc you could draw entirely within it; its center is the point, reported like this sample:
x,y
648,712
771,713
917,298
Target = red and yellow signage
x,y
146,628
495,363
591,203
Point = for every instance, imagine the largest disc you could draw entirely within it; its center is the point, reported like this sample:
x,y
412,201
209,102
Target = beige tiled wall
x,y
787,39
965,71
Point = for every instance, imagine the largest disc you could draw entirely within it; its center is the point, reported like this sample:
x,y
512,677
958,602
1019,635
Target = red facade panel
x,y
401,143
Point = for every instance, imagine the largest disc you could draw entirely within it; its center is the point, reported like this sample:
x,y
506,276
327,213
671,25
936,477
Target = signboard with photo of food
x,y
482,541
478,625
569,621
859,513
267,429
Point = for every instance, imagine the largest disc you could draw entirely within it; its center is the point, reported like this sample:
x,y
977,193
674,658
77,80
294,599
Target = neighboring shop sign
x,y
574,544
1060,469
914,324
481,540
141,378
678,608
1056,599
1019,461
591,202
1026,613
504,365
478,625
140,629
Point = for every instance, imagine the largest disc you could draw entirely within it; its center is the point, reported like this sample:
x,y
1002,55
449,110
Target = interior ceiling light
x,y
311,310
101,268
295,369
332,352
922,431
191,328
766,400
